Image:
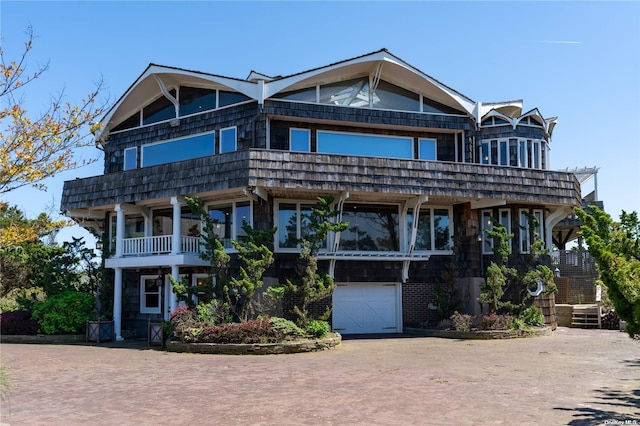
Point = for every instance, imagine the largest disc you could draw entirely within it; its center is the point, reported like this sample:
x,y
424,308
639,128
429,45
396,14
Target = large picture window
x,y
371,228
178,150
365,144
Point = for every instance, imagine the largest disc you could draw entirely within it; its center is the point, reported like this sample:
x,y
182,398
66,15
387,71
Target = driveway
x,y
571,377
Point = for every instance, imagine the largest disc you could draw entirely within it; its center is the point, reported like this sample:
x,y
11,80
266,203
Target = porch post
x,y
173,298
117,304
176,246
119,229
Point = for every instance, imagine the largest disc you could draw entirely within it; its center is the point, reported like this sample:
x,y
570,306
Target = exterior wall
x,y
245,116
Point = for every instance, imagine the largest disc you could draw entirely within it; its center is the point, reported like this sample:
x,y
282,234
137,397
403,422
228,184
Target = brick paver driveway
x,y
571,377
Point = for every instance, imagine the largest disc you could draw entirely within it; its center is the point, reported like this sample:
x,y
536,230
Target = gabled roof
x,y
381,63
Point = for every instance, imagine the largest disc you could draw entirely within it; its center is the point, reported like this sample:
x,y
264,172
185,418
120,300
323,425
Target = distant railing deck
x,y
159,244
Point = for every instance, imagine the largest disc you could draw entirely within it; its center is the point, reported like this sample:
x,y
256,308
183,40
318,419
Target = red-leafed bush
x,y
254,331
18,322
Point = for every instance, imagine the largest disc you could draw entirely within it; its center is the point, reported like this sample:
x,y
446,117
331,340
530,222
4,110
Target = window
x,y
228,140
371,228
201,281
427,149
178,150
433,231
528,235
293,224
505,221
150,289
487,225
159,110
230,98
194,100
300,140
228,219
365,144
130,158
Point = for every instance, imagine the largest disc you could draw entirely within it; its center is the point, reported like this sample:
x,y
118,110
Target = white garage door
x,y
366,308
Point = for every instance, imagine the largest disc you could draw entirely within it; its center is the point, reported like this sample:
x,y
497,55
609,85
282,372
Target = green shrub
x,y
287,328
532,316
317,328
66,312
518,324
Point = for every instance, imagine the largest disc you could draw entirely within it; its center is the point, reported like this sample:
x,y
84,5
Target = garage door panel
x,y
365,308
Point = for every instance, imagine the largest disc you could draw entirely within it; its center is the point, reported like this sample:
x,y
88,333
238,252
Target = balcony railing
x,y
159,244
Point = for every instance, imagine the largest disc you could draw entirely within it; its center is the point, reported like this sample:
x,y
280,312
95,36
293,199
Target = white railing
x,y
160,244
190,244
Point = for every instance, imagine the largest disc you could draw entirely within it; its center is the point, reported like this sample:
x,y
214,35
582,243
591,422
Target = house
x,y
418,170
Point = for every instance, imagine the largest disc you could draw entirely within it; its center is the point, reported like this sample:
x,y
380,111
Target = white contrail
x,y
559,41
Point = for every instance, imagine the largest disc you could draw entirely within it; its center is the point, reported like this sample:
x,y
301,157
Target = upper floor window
x,y
427,149
365,144
178,149
130,158
228,139
159,110
529,153
191,100
194,100
300,140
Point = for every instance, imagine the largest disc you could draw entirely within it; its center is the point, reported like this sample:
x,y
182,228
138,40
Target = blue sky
x,y
579,61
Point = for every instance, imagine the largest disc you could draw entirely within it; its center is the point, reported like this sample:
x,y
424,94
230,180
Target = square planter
x,y
156,334
99,331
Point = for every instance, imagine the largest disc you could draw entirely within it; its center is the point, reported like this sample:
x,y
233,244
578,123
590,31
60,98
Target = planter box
x,y
156,334
99,331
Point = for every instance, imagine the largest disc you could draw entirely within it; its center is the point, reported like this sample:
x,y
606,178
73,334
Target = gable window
x,y
365,144
371,228
433,233
228,219
178,150
293,224
150,288
228,139
159,110
130,158
427,149
300,140
194,100
229,98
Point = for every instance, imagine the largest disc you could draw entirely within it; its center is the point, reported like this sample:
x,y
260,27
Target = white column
x,y
176,246
173,298
117,304
119,229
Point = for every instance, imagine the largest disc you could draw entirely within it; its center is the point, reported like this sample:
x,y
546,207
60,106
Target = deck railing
x,y
159,244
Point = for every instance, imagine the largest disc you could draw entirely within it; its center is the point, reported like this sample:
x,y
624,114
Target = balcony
x,y
159,245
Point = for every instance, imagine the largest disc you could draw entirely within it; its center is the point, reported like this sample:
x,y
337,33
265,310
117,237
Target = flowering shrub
x,y
496,322
18,322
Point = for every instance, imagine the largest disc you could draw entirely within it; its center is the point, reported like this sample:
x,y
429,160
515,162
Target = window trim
x,y
235,222
135,158
297,129
235,139
143,300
